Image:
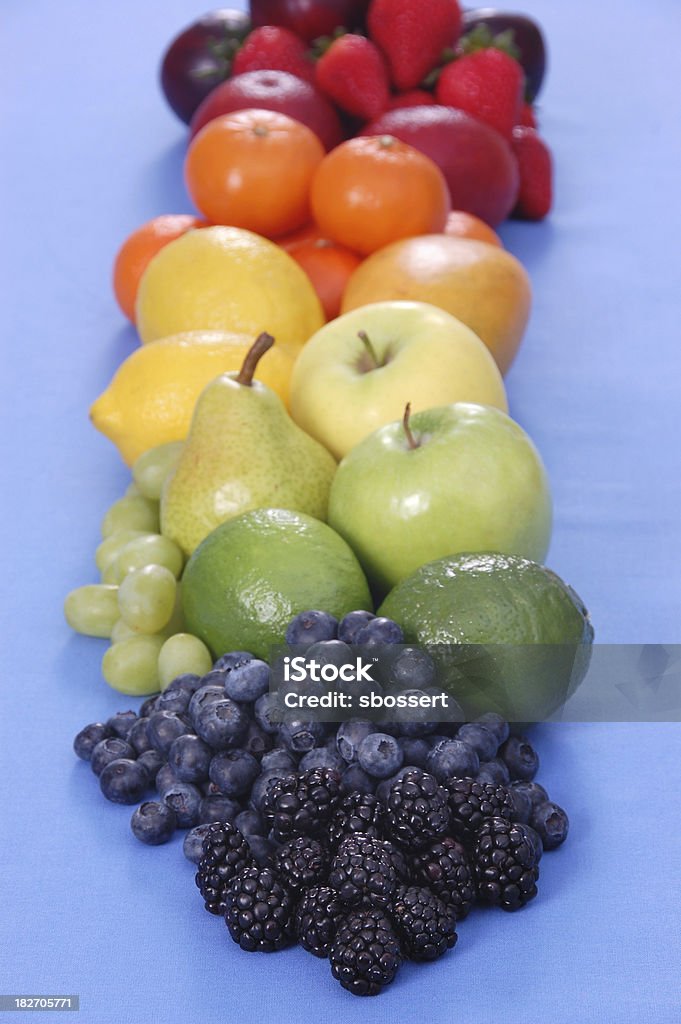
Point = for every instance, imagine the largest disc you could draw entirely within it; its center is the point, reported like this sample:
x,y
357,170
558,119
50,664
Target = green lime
x,y
253,574
511,636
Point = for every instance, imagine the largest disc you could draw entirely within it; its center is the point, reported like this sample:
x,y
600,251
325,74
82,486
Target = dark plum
x,y
310,19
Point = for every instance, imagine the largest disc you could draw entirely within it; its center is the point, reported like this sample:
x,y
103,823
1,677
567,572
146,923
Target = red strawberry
x,y
411,98
527,116
536,174
413,34
272,48
487,84
354,74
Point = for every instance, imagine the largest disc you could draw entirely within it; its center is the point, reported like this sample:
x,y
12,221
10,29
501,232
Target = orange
x,y
327,264
252,169
139,247
371,191
466,225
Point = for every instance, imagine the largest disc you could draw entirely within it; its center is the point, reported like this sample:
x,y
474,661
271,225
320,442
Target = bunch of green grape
x,y
137,604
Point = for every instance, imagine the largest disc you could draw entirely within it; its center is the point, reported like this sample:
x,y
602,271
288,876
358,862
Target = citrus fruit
x,y
329,267
252,169
253,574
480,284
466,225
227,279
369,192
139,247
152,395
509,634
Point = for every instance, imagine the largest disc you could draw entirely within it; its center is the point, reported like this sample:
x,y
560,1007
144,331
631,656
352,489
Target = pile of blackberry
x,y
364,842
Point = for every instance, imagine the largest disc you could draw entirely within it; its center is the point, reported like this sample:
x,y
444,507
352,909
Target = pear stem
x,y
262,344
364,338
411,440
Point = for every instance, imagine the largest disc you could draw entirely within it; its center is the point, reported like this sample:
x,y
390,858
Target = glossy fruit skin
x,y
309,18
478,165
527,37
273,47
465,225
272,90
329,266
358,193
200,57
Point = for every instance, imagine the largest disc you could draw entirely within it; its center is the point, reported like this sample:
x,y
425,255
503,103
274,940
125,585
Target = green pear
x,y
243,452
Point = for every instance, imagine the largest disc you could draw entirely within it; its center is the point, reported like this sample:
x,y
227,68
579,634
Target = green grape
x,y
176,623
151,469
131,513
146,598
132,490
108,549
121,630
92,609
150,549
182,653
131,665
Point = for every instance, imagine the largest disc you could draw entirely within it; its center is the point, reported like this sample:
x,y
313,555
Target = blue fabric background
x,y
89,152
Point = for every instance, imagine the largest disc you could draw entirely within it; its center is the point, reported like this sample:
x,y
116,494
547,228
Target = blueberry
x,y
152,762
111,749
355,779
121,723
173,700
189,758
138,737
248,682
329,652
310,627
257,741
189,682
88,738
436,738
218,807
148,706
521,758
263,783
551,822
123,781
153,823
234,772
263,850
415,751
480,738
250,823
522,806
234,659
278,758
165,778
535,793
412,668
192,846
203,696
322,757
380,631
185,800
349,736
216,677
452,758
301,736
498,725
414,720
380,755
222,724
267,712
350,625
163,727
495,772
534,836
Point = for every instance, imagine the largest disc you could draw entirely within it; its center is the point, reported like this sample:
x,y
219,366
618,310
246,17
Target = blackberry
x,y
301,863
416,809
259,911
317,917
444,866
301,804
470,802
365,954
225,854
425,924
356,812
505,864
364,870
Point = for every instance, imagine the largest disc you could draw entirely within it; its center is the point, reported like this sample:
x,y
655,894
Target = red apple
x,y
478,164
310,18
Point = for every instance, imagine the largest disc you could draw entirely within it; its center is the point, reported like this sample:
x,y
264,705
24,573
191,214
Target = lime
x,y
253,574
510,635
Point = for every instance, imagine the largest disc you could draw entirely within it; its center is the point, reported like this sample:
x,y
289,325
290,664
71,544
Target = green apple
x,y
462,477
359,371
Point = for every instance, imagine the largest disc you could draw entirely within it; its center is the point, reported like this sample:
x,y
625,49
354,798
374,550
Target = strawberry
x,y
272,48
487,84
412,35
354,75
527,116
536,172
411,98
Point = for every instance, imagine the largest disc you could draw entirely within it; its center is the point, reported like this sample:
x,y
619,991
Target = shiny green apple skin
x,y
475,482
425,356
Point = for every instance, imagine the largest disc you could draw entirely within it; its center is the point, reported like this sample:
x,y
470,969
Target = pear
x,y
243,452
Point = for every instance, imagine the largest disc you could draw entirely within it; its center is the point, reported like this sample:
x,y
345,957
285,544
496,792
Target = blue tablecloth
x,y
89,152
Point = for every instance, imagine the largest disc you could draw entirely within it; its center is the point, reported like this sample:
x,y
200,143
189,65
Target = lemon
x,y
152,395
226,279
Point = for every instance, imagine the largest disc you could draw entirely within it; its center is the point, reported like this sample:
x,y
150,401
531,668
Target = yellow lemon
x,y
226,279
152,395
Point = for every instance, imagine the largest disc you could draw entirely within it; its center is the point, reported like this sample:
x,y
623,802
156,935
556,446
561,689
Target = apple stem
x,y
364,338
411,440
262,344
